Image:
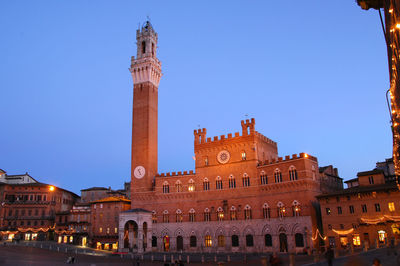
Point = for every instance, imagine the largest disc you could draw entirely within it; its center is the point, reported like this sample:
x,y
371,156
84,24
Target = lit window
x,y
296,208
208,241
232,182
101,230
178,186
278,176
192,215
381,236
243,155
233,213
220,214
356,240
328,211
221,241
247,212
179,216
165,187
206,184
218,183
206,161
191,185
377,207
292,173
101,206
108,230
391,206
115,230
281,210
263,178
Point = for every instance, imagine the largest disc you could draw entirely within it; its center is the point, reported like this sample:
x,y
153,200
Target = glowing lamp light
x,y
305,155
398,25
51,188
391,10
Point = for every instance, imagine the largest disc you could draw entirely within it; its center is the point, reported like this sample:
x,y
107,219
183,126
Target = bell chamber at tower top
x,y
146,67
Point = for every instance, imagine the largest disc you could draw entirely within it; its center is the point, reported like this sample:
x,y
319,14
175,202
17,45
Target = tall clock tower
x,y
146,74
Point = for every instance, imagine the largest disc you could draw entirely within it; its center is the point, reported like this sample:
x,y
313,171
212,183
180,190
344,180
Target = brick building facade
x,y
28,208
366,213
242,196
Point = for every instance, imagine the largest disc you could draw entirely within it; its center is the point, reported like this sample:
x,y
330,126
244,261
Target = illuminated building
x,y
391,30
241,197
368,210
29,208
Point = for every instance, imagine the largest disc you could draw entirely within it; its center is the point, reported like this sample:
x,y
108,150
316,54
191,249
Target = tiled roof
x,y
137,210
352,190
95,188
372,172
111,199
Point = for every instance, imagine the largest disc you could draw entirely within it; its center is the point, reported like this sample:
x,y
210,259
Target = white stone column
x,y
140,240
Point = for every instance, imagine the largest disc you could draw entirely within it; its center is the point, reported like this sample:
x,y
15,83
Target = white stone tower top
x,y
146,67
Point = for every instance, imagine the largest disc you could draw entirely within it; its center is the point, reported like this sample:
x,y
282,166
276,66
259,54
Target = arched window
x,y
232,182
299,240
266,211
152,49
233,213
235,241
206,161
207,215
263,178
143,47
247,212
243,155
153,241
296,208
191,185
192,215
154,217
292,173
246,180
268,240
218,182
193,241
281,210
165,187
278,176
178,186
179,216
220,214
165,216
206,184
249,241
221,241
208,241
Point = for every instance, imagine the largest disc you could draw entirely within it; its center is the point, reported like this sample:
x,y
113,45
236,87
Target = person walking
x,y
329,255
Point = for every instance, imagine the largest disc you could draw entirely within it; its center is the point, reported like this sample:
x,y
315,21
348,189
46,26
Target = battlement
x,y
247,130
288,158
174,174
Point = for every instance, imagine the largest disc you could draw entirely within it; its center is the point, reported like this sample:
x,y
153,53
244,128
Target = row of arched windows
x,y
232,214
232,181
249,240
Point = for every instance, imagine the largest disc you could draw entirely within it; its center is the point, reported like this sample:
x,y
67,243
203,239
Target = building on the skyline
x,y
28,208
242,196
366,213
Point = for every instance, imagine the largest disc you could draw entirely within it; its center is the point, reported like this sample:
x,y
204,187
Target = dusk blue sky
x,y
312,73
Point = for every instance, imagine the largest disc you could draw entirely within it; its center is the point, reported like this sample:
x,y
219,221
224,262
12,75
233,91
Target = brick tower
x,y
146,74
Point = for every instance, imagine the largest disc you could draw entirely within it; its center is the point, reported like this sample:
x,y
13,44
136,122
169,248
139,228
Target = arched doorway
x,y
179,243
130,235
166,243
283,245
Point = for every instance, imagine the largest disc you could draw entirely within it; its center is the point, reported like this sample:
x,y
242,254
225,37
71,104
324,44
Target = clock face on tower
x,y
139,172
223,156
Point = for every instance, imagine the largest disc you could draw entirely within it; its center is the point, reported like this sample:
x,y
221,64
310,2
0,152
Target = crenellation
x,y
287,157
229,135
294,156
222,137
280,159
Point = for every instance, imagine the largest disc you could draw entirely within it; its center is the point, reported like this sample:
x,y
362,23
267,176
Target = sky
x,y
313,75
